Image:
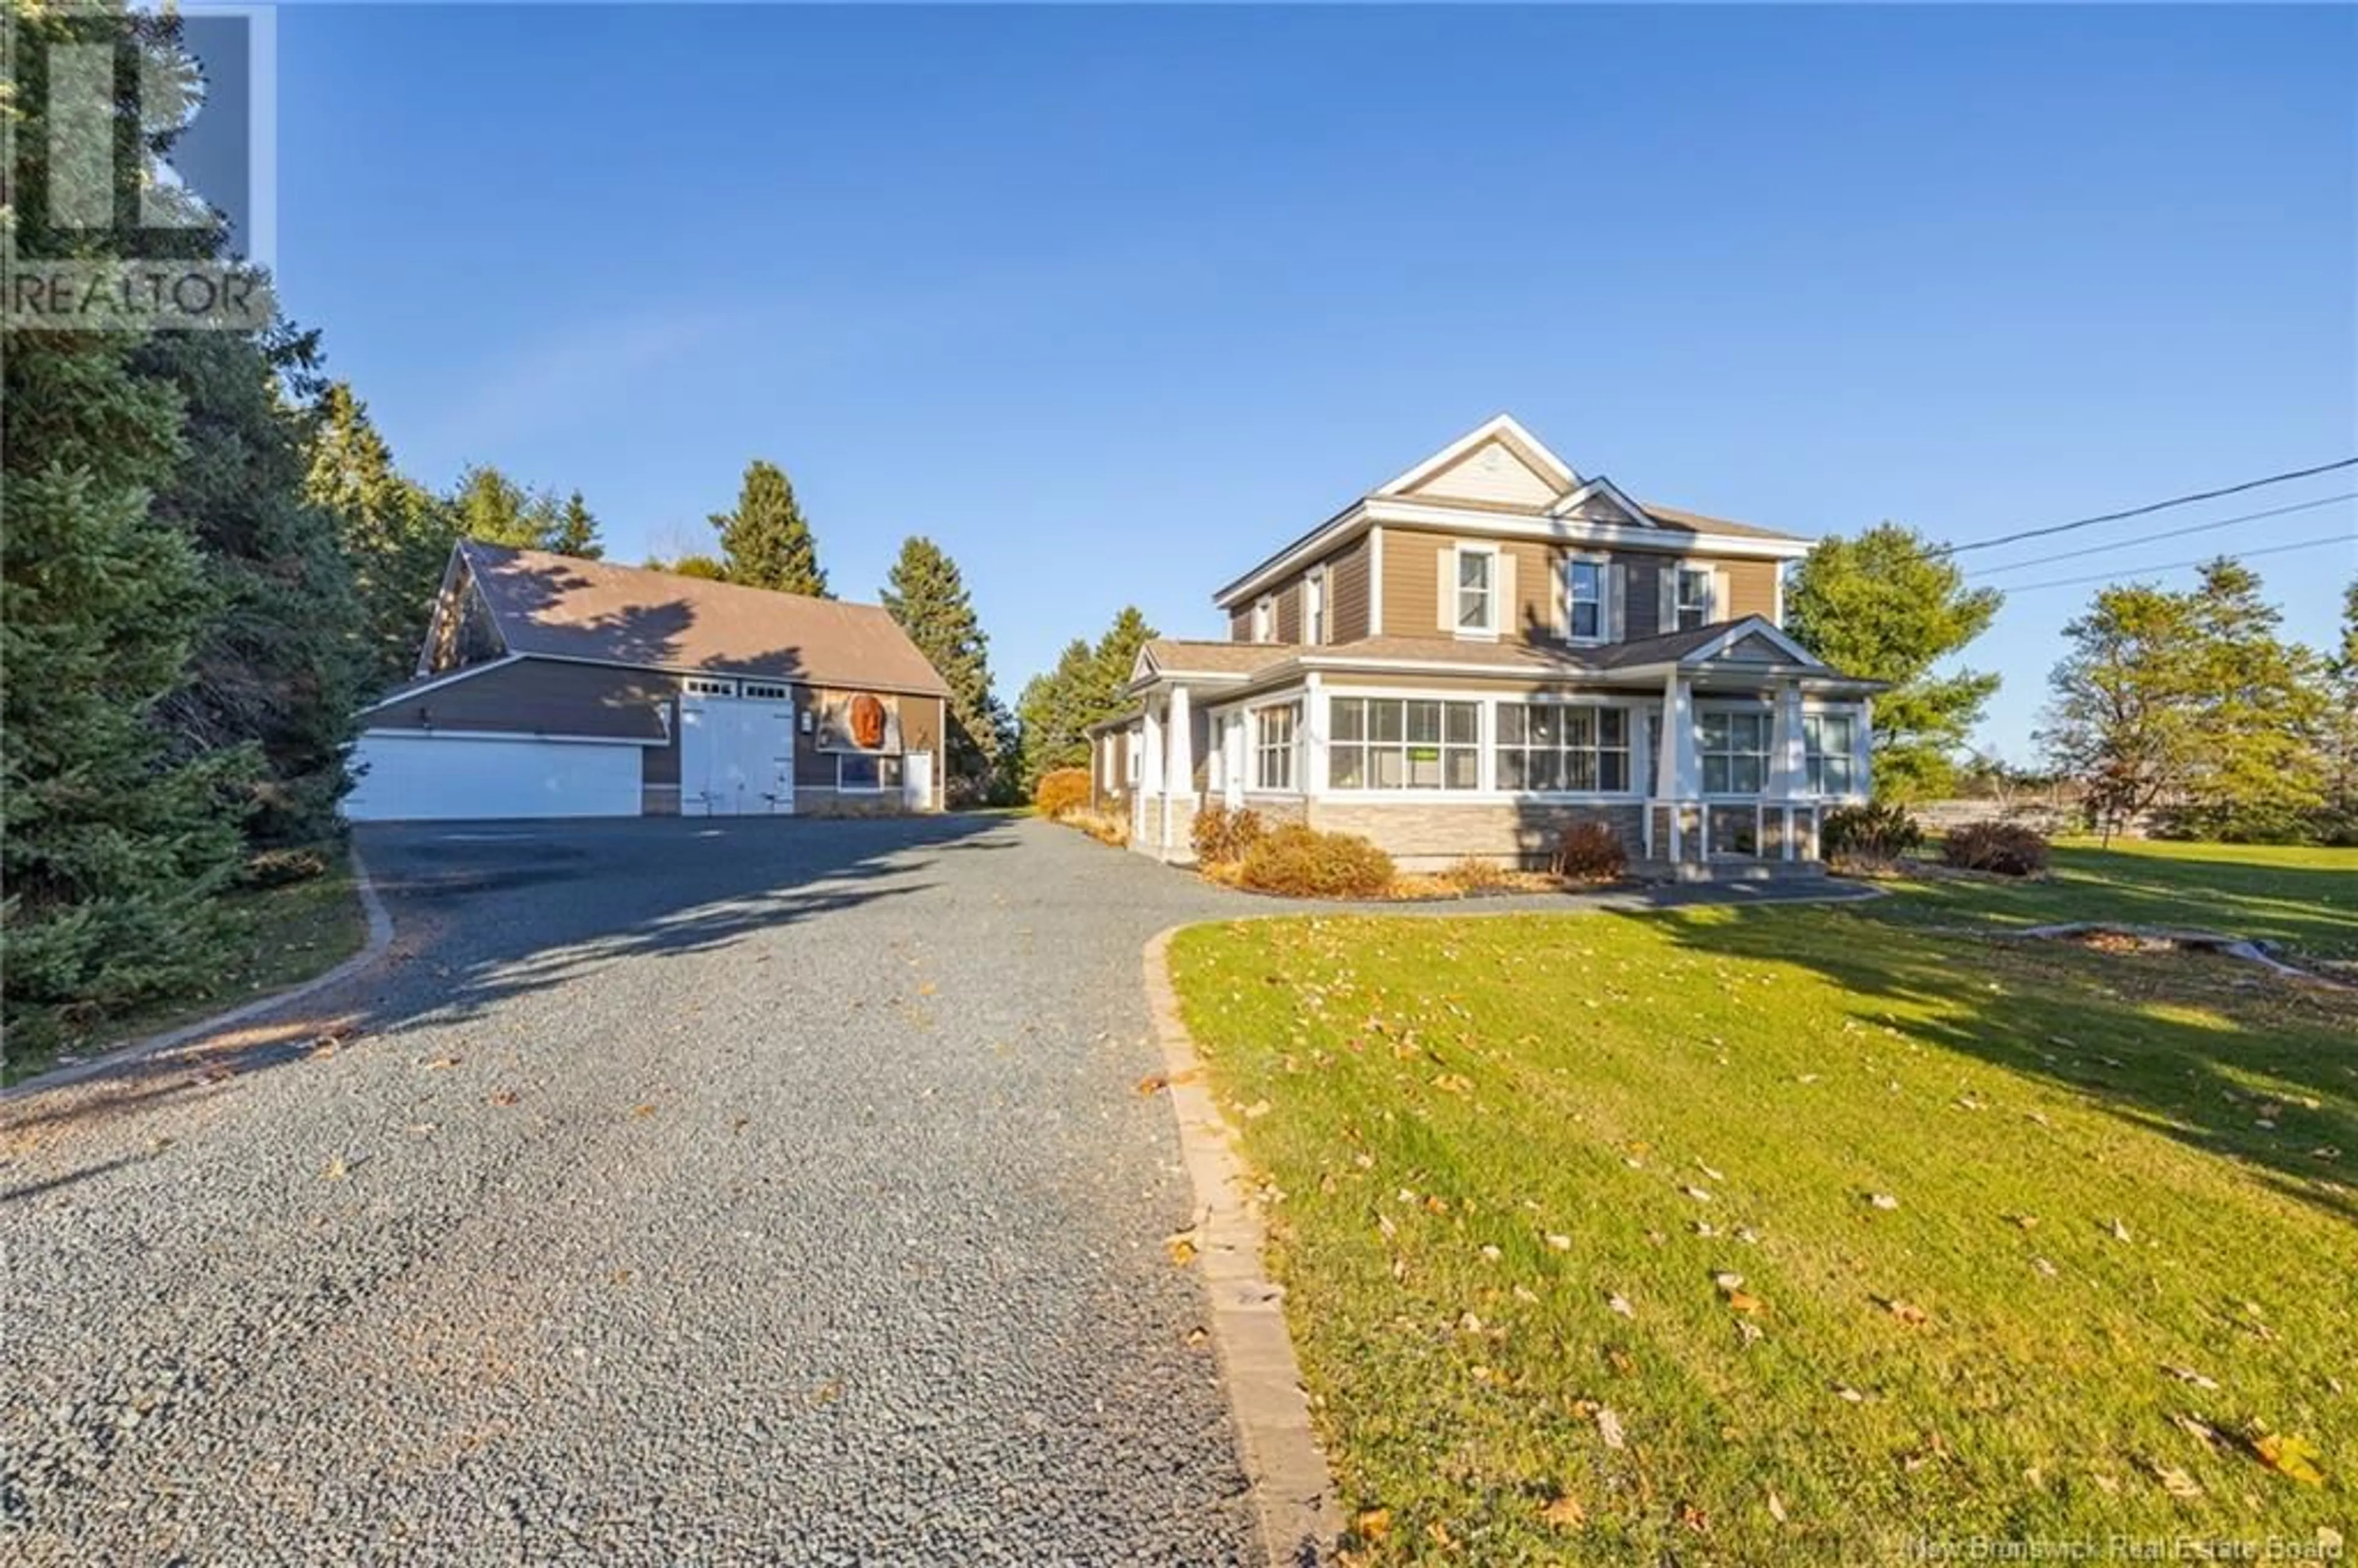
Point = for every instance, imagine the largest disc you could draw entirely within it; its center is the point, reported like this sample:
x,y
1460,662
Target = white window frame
x,y
879,786
1314,607
1458,590
1594,711
1816,755
707,685
1705,753
1681,573
1369,748
1603,601
1264,620
1133,749
1285,750
766,691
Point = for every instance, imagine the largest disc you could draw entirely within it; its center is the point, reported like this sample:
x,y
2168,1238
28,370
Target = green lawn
x,y
1515,1152
291,934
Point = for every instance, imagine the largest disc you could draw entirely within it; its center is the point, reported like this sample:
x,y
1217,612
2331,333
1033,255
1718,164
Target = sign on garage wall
x,y
860,721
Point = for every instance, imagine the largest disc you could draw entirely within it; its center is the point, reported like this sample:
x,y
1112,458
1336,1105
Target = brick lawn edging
x,y
1293,1496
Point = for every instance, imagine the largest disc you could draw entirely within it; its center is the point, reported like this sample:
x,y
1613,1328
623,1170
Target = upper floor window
x,y
1382,742
1735,752
1273,729
1264,621
1477,589
1584,598
1313,609
1829,740
1553,746
1693,606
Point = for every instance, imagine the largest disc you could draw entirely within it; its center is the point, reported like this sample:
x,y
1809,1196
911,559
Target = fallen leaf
x,y
1727,1281
1883,1200
1694,1518
1491,1254
2174,1481
1776,1506
1697,1194
1844,1391
2189,1375
1565,1513
1907,1313
1372,1524
1256,1110
2120,1231
440,1063
1608,1427
642,1110
1621,1304
1561,1243
336,1170
1181,1245
1154,1083
1746,1301
2293,1457
1709,1172
2201,1432
1454,1084
504,1097
1747,1333
1196,1337
2044,1266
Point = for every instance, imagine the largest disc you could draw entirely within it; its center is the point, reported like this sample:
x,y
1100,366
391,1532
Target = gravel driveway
x,y
676,1192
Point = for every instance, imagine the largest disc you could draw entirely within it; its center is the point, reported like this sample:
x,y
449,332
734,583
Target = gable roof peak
x,y
1502,429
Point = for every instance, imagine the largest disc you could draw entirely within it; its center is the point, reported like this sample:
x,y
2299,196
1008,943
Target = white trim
x,y
1603,564
879,786
1264,619
557,736
1502,425
1750,626
1604,487
1493,592
464,672
1375,582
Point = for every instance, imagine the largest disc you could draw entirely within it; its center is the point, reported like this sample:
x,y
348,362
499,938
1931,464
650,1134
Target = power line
x,y
2187,499
2180,566
2171,533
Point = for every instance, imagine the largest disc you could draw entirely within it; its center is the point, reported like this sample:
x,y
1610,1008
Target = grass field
x,y
290,934
1810,1233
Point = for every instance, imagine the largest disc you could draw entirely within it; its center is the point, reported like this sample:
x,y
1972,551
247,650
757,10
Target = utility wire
x,y
2350,539
2168,533
2141,510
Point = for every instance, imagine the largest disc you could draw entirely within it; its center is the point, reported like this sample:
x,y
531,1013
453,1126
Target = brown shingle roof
x,y
1185,655
559,607
1671,516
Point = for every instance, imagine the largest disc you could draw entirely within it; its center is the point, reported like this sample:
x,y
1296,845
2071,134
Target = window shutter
x,y
1560,594
1719,596
1617,602
1446,573
1506,608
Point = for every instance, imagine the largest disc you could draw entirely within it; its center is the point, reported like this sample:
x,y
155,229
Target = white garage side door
x,y
440,778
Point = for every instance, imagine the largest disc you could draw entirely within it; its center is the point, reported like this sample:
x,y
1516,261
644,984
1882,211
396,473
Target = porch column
x,y
1178,759
1232,733
1149,768
1676,775
1789,768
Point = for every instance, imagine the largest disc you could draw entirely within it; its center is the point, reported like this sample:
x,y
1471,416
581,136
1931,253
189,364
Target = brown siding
x,y
1413,582
1751,589
1240,624
1347,584
537,696
1289,610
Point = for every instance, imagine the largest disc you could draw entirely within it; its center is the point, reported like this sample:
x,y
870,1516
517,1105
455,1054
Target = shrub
x,y
1221,836
1474,874
2008,848
1879,830
1061,790
1103,827
282,868
1303,863
1589,852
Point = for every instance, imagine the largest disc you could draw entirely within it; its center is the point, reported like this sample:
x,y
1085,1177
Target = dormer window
x,y
1584,598
1477,589
1264,623
1694,603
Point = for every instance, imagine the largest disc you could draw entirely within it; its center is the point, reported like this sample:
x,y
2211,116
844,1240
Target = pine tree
x,y
927,594
1087,686
765,541
396,534
1885,606
278,666
690,565
493,507
576,531
2339,822
2261,705
2122,720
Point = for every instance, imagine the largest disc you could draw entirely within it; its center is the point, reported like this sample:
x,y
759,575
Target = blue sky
x,y
1111,301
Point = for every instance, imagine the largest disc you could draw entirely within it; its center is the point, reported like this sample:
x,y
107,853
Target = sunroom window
x,y
1734,751
1558,747
1830,742
1382,742
1273,747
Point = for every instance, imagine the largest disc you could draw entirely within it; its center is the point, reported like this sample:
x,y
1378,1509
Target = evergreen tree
x,y
1087,686
112,845
2261,703
396,534
1884,606
2122,719
1115,657
2339,822
765,541
576,531
690,565
493,507
927,594
278,664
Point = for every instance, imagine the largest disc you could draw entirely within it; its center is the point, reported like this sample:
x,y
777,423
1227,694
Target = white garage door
x,y
411,777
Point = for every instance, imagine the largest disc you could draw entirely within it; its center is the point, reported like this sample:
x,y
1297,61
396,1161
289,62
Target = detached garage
x,y
551,687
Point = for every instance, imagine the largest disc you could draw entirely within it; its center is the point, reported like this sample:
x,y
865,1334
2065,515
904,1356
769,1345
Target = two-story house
x,y
1490,647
